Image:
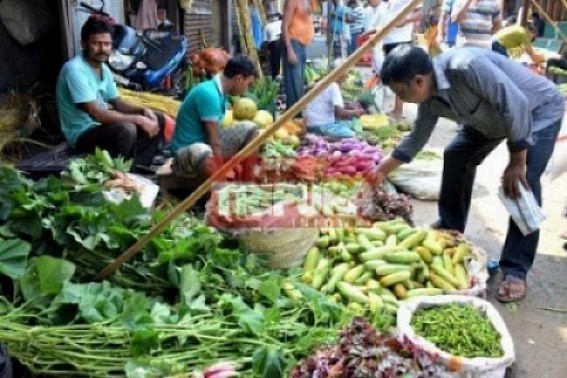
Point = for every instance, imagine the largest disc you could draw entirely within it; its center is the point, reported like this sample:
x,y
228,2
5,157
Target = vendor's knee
x,y
128,133
126,137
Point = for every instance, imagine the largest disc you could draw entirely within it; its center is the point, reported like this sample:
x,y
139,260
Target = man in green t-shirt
x,y
516,36
200,146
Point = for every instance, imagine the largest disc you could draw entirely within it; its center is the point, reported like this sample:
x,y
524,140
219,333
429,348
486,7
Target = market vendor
x,y
91,112
495,99
516,36
200,146
326,114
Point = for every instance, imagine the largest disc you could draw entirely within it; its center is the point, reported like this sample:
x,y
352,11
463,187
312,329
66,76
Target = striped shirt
x,y
489,93
357,25
476,26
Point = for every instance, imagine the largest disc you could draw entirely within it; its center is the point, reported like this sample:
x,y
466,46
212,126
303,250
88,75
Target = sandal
x,y
509,285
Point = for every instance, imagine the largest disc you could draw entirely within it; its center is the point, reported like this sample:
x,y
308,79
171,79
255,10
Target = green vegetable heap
x,y
460,330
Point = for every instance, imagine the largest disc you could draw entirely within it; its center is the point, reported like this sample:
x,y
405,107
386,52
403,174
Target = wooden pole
x,y
241,38
257,142
524,19
262,11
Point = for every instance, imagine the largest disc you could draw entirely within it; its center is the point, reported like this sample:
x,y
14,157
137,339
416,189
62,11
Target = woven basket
x,y
280,247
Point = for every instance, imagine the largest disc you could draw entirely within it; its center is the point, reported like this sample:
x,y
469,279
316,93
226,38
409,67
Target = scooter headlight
x,y
120,62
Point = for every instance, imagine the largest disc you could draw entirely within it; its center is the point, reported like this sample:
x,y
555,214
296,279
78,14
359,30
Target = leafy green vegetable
x,y
143,341
269,362
190,285
13,257
45,276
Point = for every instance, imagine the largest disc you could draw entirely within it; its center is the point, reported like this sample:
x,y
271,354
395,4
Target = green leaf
x,y
53,273
269,362
6,232
271,288
143,342
273,315
14,257
199,305
190,284
45,278
97,301
135,314
251,322
161,313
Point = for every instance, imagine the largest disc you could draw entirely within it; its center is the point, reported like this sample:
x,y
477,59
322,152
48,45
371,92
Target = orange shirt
x,y
301,25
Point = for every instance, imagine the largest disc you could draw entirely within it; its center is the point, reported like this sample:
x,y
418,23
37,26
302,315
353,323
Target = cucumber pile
x,y
372,268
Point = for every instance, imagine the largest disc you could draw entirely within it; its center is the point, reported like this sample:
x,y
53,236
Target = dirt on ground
x,y
538,324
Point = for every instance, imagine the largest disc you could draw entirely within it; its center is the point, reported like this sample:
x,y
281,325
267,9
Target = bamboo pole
x,y
259,140
241,39
524,18
246,23
262,11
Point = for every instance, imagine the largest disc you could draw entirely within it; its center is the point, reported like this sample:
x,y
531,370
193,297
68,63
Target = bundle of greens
x,y
188,299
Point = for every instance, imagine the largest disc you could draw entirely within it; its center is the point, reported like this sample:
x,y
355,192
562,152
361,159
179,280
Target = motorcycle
x,y
153,60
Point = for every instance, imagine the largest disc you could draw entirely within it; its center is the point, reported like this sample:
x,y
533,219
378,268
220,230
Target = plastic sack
x,y
421,178
479,367
147,191
478,274
525,211
26,21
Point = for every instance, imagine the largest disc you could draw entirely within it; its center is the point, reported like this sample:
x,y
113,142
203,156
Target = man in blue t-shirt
x,y
90,109
200,146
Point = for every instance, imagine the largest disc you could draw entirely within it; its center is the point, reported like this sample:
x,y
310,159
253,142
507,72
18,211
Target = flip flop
x,y
503,293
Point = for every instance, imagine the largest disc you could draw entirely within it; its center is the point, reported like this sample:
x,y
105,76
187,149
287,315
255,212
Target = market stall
x,y
273,272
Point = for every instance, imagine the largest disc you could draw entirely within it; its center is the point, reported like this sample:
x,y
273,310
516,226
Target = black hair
x,y
240,65
405,62
94,25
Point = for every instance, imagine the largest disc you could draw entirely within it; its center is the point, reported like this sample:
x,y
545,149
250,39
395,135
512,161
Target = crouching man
x,y
200,146
496,100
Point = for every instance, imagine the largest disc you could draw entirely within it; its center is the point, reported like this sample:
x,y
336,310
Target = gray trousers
x,y
462,156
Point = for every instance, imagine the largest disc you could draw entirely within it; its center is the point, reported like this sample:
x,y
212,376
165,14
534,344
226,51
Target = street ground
x,y
538,324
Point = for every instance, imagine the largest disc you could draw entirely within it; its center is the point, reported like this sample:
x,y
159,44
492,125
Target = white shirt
x,y
401,34
378,18
321,111
273,31
374,16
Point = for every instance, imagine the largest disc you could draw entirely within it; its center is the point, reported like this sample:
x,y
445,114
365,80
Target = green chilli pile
x,y
461,330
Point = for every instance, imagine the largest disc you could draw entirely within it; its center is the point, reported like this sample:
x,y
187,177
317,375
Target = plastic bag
x,y
147,191
421,178
525,211
478,274
479,367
